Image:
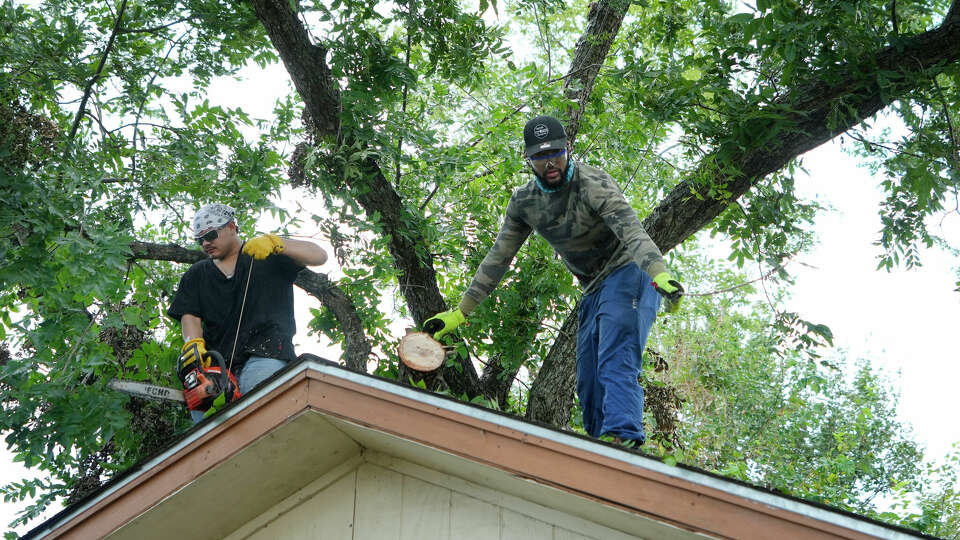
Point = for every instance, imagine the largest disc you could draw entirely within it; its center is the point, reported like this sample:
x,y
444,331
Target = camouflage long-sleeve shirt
x,y
588,222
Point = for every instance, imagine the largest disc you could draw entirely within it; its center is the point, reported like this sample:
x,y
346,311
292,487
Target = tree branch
x,y
143,102
951,131
156,28
603,24
812,116
953,14
305,62
96,76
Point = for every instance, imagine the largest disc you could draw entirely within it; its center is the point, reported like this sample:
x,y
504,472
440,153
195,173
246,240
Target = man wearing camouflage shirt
x,y
581,212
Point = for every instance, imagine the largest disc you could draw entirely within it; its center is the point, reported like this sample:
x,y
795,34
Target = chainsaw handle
x,y
218,358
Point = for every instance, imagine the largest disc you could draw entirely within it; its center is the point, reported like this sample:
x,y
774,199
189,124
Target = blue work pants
x,y
615,321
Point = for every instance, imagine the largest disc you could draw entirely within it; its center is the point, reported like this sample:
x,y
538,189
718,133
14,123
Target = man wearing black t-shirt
x,y
246,284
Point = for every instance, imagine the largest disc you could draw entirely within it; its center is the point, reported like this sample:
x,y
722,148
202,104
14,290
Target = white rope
x,y
240,319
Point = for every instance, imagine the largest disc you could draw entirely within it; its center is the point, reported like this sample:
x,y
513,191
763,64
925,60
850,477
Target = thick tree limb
x,y
306,64
603,24
815,113
954,14
357,350
357,347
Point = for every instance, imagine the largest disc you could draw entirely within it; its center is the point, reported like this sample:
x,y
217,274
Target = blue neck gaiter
x,y
545,189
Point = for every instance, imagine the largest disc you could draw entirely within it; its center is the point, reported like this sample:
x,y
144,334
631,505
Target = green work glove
x,y
442,324
670,289
262,246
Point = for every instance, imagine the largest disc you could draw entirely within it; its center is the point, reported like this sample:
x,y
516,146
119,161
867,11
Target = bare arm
x,y
304,252
192,327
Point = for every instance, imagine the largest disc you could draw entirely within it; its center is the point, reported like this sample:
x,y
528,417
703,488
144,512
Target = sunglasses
x,y
543,157
210,236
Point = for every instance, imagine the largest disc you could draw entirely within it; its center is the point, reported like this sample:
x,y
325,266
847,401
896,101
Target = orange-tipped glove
x,y
262,247
670,289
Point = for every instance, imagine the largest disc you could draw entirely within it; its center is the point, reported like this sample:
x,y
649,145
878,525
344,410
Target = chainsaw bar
x,y
149,391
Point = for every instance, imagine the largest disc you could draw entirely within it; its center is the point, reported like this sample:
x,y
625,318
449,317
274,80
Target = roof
x,y
314,417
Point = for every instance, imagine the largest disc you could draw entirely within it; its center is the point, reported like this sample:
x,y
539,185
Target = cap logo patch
x,y
540,131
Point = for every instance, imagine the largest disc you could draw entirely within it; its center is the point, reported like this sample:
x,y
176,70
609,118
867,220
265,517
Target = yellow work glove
x,y
263,246
670,289
192,353
442,324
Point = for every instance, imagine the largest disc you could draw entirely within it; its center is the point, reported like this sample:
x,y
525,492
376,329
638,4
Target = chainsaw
x,y
202,386
207,386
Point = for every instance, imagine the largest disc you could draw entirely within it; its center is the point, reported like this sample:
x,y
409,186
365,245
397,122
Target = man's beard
x,y
559,178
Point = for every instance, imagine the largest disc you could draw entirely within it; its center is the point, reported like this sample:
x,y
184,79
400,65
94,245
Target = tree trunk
x,y
552,392
306,64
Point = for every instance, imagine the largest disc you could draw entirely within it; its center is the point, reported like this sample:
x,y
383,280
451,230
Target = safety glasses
x,y
210,236
540,159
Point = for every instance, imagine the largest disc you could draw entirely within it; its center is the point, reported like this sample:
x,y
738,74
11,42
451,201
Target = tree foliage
x,y
402,134
767,413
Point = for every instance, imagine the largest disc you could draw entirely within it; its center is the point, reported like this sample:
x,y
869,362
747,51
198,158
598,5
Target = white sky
x,y
903,321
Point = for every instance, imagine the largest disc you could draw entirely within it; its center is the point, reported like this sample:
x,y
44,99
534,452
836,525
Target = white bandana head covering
x,y
212,216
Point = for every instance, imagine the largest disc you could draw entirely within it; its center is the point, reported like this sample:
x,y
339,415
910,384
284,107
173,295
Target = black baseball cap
x,y
543,133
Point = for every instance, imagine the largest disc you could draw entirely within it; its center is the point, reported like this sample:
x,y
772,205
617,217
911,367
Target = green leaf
x,y
740,19
692,74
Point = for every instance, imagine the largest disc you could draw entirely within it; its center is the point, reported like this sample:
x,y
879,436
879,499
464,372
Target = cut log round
x,y
421,352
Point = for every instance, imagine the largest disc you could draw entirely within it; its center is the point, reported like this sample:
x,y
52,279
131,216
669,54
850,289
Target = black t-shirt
x,y
268,324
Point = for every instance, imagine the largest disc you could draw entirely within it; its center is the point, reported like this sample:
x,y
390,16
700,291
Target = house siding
x,y
373,502
327,515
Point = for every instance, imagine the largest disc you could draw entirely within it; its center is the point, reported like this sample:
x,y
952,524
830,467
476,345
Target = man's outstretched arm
x,y
304,252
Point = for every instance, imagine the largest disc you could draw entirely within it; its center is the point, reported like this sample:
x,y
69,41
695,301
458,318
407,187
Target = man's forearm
x,y
192,327
303,252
